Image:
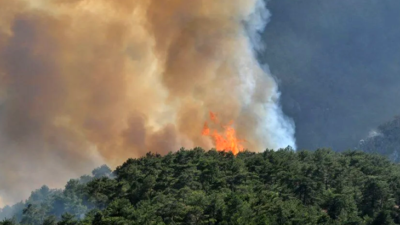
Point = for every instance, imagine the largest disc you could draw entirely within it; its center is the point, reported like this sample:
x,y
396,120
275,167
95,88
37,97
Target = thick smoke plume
x,y
84,82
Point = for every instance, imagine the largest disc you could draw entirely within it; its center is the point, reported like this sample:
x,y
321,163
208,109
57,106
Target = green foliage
x,y
8,222
199,187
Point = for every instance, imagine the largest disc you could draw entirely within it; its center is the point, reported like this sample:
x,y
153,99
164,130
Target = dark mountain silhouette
x,y
384,140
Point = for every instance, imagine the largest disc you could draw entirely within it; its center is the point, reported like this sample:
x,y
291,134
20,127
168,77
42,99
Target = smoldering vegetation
x,y
88,82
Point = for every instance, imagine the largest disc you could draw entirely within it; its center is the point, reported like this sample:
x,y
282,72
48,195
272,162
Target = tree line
x,y
212,187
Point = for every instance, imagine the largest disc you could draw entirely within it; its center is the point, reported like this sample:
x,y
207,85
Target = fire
x,y
227,141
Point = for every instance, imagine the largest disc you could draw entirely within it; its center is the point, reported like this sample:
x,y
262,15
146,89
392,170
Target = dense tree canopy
x,y
211,187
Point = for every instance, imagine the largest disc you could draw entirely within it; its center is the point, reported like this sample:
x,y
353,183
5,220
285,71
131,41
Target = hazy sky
x,y
338,63
83,75
88,82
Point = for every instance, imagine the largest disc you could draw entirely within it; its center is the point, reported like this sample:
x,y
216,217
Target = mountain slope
x,y
385,140
199,187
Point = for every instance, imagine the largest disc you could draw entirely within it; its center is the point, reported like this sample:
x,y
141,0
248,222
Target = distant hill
x,y
210,187
384,140
337,66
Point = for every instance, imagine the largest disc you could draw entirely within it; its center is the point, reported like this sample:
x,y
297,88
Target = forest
x,y
70,76
212,187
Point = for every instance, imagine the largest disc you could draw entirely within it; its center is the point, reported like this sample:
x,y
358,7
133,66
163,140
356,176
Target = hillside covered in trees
x,y
384,140
211,187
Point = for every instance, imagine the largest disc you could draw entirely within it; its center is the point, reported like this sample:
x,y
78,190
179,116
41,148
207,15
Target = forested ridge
x,y
384,140
211,187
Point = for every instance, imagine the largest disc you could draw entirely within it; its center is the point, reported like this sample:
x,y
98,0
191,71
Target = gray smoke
x,y
88,82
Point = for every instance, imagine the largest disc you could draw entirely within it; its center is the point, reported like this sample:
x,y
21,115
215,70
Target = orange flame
x,y
226,141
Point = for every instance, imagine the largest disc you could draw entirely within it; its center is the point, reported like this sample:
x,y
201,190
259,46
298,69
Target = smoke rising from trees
x,y
91,81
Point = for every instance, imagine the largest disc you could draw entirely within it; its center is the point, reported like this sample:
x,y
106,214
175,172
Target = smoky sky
x,y
338,66
82,83
88,82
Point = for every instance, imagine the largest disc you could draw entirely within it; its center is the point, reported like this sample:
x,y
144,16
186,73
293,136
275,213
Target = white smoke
x,y
278,129
92,80
374,133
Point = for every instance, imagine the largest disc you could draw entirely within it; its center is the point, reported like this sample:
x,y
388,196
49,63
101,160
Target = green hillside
x,y
210,187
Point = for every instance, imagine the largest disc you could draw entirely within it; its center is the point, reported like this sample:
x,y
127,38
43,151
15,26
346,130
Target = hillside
x,y
384,140
210,187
